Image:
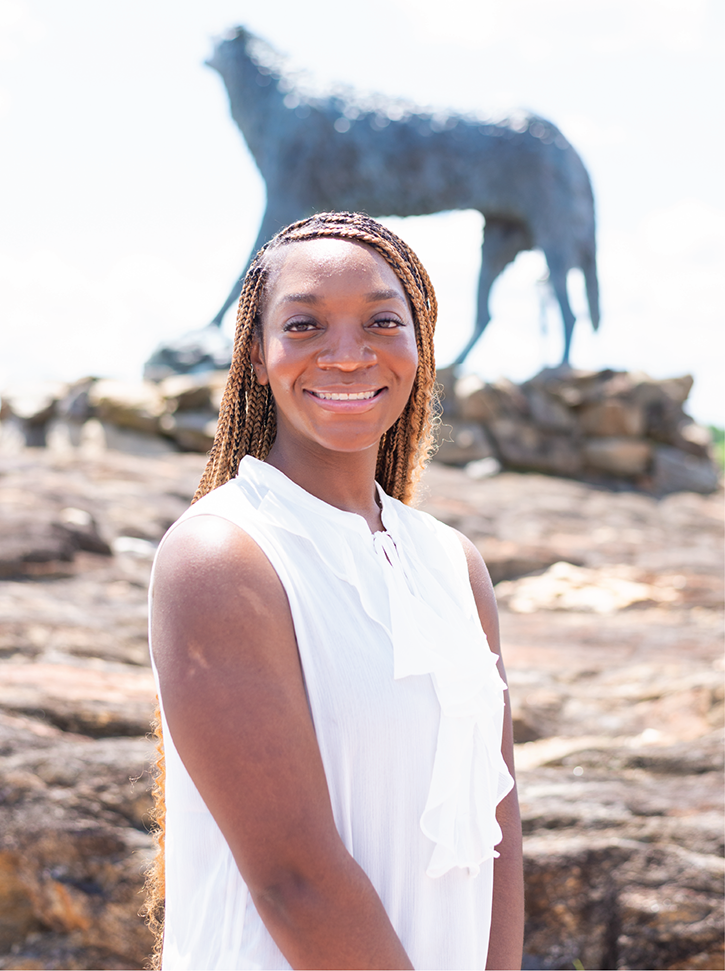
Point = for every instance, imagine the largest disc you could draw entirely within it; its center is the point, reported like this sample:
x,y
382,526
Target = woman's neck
x,y
345,480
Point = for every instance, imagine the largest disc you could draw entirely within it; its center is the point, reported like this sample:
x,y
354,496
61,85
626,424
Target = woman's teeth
x,y
355,396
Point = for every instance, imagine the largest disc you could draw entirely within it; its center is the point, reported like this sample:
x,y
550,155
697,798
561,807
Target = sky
x,y
130,201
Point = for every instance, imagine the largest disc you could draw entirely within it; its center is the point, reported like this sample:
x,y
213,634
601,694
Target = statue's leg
x,y
503,240
589,269
271,224
557,278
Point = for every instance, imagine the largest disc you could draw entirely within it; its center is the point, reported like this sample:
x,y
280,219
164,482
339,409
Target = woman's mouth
x,y
345,395
346,402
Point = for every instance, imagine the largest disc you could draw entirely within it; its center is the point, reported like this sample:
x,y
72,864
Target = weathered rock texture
x,y
178,413
76,695
605,426
611,612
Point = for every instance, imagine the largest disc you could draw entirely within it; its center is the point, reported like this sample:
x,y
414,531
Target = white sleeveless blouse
x,y
407,706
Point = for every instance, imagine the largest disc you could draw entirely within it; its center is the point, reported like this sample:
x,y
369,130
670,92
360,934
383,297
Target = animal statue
x,y
343,152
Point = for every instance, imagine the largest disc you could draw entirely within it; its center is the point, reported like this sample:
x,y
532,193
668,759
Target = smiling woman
x,y
338,351
337,751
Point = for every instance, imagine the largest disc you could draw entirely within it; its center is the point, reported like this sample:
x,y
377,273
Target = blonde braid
x,y
155,885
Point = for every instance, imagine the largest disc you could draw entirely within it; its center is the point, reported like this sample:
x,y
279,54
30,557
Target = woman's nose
x,y
347,350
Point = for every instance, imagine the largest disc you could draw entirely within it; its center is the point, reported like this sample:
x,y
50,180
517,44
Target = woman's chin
x,y
349,445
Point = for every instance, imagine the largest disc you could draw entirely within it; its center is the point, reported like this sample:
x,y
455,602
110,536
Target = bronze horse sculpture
x,y
339,152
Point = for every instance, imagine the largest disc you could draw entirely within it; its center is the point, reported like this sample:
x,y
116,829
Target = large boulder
x,y
138,406
193,431
612,418
523,445
605,426
192,392
622,457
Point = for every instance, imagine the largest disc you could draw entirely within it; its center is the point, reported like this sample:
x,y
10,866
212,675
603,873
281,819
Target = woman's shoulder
x,y
230,502
215,536
207,547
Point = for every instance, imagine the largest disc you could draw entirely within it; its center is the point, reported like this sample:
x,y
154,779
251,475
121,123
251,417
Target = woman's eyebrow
x,y
374,296
300,298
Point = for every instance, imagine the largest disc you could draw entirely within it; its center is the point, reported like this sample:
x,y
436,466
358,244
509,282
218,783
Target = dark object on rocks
x,y
30,408
196,352
344,152
37,543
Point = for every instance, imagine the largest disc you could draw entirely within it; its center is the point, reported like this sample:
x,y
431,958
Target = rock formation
x,y
607,427
603,426
611,612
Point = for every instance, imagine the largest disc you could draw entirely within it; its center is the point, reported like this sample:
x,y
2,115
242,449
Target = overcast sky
x,y
130,201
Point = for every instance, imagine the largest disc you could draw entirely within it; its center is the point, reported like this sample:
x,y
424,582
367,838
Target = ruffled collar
x,y
430,616
268,477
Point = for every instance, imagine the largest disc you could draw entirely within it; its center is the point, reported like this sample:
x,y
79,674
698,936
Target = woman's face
x,y
338,345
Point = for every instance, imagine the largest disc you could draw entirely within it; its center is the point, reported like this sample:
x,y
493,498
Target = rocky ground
x,y
611,610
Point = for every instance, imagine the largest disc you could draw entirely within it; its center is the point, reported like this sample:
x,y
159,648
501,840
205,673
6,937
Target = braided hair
x,y
248,426
247,419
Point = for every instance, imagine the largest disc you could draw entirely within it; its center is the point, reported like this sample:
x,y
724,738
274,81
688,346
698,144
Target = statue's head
x,y
239,48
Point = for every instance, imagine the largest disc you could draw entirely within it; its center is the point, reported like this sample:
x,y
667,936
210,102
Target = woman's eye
x,y
299,326
387,323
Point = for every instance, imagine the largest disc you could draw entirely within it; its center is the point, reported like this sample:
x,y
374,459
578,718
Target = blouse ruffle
x,y
469,776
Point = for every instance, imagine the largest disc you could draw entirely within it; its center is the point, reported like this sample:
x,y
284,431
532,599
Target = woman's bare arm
x,y
507,917
225,648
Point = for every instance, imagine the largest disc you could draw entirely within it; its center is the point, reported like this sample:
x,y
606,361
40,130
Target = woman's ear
x,y
256,356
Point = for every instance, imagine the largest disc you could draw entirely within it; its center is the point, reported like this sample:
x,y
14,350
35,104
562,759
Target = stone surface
x,y
36,540
549,413
462,442
624,457
191,392
522,445
77,698
136,406
615,685
604,426
676,471
73,848
612,418
193,431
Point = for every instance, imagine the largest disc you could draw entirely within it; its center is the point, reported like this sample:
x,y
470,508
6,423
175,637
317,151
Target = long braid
x,y
248,423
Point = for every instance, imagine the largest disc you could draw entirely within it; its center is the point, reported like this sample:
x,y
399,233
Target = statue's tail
x,y
589,269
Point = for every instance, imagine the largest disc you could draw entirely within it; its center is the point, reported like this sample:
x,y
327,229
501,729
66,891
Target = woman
x,y
332,714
